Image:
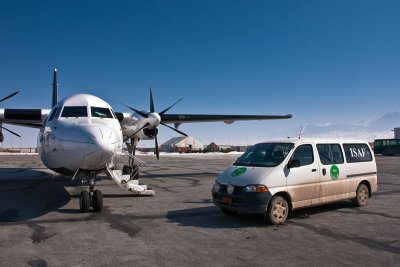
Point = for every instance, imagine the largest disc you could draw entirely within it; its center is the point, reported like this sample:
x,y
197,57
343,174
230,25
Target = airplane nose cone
x,y
101,147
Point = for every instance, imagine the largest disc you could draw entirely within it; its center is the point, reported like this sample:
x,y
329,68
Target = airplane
x,y
82,136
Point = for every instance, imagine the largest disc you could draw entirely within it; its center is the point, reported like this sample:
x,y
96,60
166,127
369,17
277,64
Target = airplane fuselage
x,y
82,132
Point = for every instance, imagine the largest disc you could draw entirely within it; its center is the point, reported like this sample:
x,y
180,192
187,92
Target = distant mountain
x,y
370,130
387,122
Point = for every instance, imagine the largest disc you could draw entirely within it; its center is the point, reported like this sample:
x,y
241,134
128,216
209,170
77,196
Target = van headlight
x,y
255,188
216,187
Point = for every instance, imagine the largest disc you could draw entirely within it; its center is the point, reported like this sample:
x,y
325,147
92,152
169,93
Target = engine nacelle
x,y
150,132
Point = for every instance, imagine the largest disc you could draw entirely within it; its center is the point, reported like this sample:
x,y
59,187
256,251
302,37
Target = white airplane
x,y
82,136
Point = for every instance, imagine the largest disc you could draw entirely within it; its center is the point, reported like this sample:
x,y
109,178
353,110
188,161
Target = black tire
x,y
84,201
229,212
97,200
362,195
278,211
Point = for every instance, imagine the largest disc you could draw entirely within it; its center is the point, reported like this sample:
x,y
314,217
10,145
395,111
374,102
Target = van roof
x,y
317,140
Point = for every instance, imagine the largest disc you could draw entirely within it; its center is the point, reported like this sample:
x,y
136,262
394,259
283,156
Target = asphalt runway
x,y
41,225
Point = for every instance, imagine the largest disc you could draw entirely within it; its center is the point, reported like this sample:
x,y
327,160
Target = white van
x,y
277,177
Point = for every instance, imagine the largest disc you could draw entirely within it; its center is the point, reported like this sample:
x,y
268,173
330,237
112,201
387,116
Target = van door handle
x,y
314,170
324,171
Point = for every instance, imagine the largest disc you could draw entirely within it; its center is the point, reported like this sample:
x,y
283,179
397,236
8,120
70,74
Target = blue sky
x,y
322,61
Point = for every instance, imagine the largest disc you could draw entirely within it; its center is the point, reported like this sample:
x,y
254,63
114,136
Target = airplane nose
x,y
102,146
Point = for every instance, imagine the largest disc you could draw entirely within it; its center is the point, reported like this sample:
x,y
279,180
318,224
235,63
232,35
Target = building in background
x,y
182,144
213,147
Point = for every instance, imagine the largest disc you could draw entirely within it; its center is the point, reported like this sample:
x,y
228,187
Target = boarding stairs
x,y
130,181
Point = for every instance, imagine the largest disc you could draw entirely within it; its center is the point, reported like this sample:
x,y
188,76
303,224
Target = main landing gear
x,y
93,198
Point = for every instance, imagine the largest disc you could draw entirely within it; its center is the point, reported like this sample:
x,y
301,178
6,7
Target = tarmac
x,y
41,225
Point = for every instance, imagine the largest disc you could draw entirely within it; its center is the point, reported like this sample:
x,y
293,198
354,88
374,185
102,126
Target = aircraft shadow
x,y
27,193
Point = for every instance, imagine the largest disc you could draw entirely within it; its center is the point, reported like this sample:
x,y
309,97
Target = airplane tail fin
x,y
55,89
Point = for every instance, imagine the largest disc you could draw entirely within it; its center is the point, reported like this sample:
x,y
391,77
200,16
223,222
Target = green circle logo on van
x,y
334,172
238,172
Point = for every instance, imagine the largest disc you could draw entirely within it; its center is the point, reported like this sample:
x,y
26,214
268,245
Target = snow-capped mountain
x,y
369,130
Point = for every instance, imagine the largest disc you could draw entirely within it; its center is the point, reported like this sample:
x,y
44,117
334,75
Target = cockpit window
x,y
101,112
52,113
74,111
265,155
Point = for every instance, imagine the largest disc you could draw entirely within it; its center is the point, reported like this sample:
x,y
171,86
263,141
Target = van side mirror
x,y
293,163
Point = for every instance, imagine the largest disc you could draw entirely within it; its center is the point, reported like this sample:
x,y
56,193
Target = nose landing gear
x,y
93,198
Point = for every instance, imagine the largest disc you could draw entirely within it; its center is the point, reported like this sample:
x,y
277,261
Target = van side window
x,y
357,153
305,155
330,154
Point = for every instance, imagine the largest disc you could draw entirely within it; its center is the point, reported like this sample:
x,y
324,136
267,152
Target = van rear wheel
x,y
362,195
278,210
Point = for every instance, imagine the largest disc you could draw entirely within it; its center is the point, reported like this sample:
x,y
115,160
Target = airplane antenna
x,y
55,89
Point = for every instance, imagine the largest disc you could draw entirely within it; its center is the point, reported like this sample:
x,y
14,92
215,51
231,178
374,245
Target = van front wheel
x,y
278,210
362,195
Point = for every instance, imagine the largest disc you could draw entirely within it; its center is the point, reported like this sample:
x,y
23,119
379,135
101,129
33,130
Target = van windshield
x,y
265,155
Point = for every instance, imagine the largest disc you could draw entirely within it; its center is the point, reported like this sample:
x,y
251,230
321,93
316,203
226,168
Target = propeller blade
x,y
144,126
165,110
151,101
10,131
157,151
182,133
9,96
137,111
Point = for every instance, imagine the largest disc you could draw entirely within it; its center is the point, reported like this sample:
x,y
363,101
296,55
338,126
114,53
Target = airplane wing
x,y
24,117
182,118
147,125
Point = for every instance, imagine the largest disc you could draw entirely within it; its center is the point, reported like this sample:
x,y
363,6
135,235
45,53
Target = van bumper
x,y
242,202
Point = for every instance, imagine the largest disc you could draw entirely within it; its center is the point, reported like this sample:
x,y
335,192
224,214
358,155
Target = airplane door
x,y
301,181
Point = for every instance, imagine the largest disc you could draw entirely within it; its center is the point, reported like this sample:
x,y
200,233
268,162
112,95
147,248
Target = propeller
x,y
9,131
154,120
5,98
9,96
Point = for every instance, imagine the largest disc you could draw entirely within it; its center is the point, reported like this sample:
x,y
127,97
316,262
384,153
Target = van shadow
x,y
305,213
28,193
213,217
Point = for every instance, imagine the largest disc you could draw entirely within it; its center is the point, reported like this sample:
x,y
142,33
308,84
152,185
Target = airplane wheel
x,y
97,200
84,201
